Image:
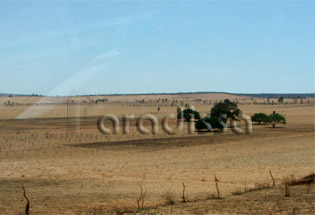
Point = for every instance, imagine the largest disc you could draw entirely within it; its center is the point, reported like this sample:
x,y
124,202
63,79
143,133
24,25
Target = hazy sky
x,y
80,47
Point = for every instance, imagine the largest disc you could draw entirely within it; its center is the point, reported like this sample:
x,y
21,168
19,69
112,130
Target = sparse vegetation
x,y
258,186
142,195
169,198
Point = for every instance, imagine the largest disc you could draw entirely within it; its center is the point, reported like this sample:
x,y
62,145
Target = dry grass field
x,y
68,167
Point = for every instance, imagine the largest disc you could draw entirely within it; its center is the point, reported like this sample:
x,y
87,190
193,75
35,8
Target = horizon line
x,y
161,93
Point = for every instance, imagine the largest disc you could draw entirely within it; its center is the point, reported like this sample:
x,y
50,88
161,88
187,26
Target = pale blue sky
x,y
80,47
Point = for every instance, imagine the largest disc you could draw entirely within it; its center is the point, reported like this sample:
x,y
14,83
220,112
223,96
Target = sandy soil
x,y
85,172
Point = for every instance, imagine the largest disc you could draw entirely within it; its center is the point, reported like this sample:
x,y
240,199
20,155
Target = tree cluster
x,y
274,118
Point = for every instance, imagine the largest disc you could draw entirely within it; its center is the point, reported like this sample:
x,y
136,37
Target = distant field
x,y
68,167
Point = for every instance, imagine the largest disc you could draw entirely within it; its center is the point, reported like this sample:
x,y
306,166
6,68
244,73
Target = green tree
x,y
209,123
227,108
275,118
260,117
187,113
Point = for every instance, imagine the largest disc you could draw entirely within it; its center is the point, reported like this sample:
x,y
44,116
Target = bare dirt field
x,y
68,167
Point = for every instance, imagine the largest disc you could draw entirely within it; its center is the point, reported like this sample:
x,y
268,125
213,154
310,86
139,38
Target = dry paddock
x,y
89,173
